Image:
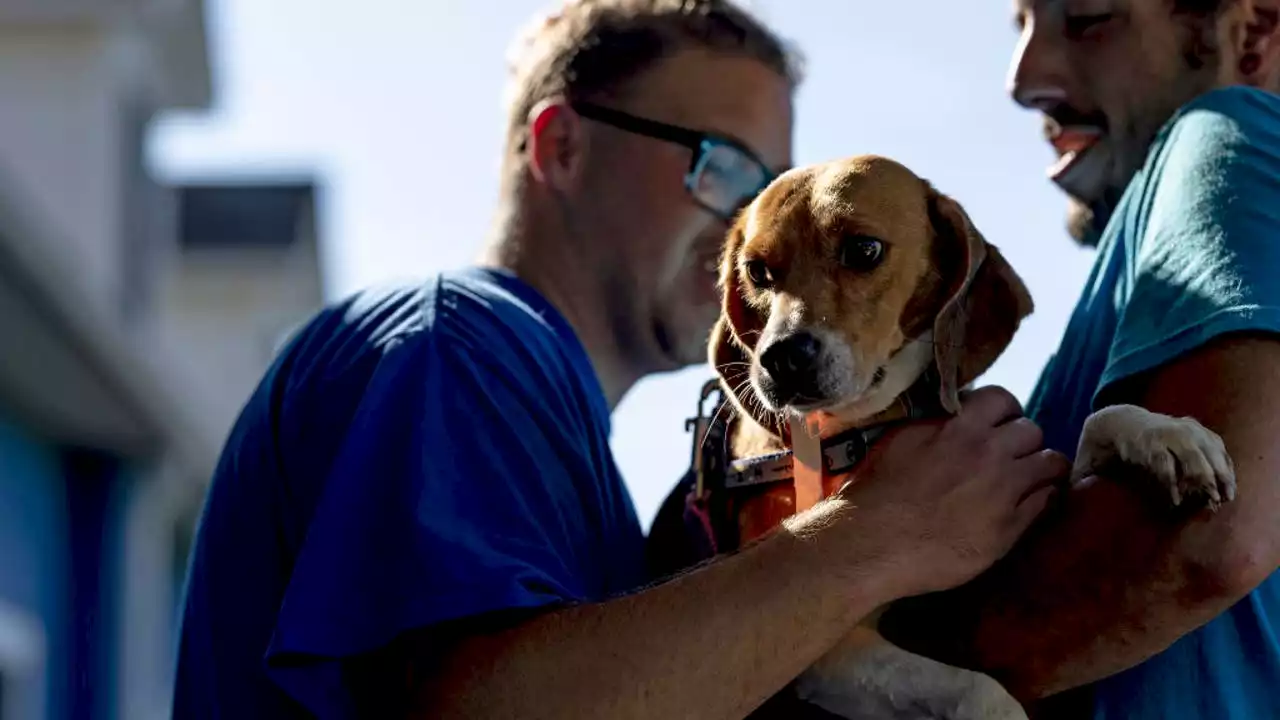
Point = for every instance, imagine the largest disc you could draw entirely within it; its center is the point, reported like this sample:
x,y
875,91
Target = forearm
x,y
1108,581
716,642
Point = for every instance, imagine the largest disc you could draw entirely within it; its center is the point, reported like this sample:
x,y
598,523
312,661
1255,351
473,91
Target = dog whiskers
x,y
733,390
751,401
728,405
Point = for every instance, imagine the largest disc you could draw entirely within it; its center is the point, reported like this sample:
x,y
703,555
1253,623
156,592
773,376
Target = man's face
x,y
666,243
1106,75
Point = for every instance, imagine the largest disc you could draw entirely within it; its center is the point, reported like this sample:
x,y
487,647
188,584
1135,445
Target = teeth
x,y
1081,174
1063,163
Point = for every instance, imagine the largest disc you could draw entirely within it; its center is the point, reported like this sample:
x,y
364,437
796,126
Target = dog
x,y
853,291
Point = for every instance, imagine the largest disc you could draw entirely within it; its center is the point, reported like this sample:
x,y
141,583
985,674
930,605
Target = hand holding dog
x,y
949,498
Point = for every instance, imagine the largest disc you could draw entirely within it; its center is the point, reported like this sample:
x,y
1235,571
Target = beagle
x,y
853,292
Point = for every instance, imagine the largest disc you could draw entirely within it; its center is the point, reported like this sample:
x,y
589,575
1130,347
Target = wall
x,y
33,570
86,568
228,309
153,564
59,136
63,596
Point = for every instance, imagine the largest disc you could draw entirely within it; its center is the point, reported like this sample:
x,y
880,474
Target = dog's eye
x,y
759,273
861,252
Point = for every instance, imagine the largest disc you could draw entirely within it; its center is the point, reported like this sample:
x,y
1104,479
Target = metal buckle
x,y
845,454
708,459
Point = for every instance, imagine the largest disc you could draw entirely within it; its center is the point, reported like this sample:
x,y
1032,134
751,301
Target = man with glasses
x,y
418,511
724,174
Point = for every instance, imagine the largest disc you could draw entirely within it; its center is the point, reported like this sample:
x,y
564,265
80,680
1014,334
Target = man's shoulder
x,y
1242,105
479,306
1232,126
1194,255
456,306
1218,155
488,320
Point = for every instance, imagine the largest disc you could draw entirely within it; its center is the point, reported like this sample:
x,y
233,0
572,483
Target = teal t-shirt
x,y
1191,252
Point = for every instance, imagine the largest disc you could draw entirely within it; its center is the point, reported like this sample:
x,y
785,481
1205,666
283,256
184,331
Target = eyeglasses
x,y
724,175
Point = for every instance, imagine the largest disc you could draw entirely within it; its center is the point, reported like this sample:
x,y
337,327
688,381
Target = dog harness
x,y
806,463
839,453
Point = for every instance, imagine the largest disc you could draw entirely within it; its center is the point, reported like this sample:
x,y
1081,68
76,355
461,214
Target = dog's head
x,y
843,282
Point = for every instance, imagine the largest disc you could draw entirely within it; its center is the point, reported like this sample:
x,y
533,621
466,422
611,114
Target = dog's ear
x,y
735,333
986,300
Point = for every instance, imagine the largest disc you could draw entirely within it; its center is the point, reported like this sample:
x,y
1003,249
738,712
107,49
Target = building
x,y
135,317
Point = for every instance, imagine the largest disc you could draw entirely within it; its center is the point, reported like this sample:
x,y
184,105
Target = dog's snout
x,y
792,363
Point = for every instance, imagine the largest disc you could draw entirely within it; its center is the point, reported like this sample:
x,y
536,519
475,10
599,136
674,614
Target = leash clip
x,y
709,435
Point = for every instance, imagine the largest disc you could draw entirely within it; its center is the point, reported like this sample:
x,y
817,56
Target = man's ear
x,y
556,145
986,301
734,335
1258,42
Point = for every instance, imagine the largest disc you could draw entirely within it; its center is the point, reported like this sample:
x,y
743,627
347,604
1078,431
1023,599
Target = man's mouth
x,y
1072,143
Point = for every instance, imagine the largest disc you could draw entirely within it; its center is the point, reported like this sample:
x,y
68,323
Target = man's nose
x,y
1037,77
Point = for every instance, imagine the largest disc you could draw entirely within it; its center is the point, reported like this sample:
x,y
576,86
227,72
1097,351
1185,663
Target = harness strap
x,y
711,509
807,462
839,454
809,459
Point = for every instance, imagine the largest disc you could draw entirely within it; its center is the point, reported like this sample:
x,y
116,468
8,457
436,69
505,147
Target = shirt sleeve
x,y
450,498
1207,257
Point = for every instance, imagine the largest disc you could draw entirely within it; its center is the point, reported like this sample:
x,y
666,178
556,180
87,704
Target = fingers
x,y
1046,468
990,406
1032,507
1019,438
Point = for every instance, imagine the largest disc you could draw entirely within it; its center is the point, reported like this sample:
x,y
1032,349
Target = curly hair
x,y
595,47
1202,19
1199,7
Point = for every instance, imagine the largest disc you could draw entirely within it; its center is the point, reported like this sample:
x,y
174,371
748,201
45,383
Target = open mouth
x,y
1073,143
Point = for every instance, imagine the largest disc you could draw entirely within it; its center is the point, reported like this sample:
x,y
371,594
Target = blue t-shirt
x,y
1191,252
415,456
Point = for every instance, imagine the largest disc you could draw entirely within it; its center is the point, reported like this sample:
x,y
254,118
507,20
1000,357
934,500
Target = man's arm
x,y
1112,578
935,505
714,643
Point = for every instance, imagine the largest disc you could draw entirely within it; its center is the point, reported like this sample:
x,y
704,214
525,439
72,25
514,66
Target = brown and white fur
x,y
843,283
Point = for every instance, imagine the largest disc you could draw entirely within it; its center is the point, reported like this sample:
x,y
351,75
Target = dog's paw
x,y
885,682
1188,461
986,699
977,698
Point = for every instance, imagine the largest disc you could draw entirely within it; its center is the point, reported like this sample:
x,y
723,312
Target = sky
x,y
395,108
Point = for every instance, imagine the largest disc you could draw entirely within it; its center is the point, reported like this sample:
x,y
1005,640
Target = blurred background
x,y
184,181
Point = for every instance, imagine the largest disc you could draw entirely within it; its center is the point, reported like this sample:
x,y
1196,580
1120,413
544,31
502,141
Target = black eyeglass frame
x,y
699,142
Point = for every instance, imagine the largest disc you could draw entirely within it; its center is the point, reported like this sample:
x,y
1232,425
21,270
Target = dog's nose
x,y
792,363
